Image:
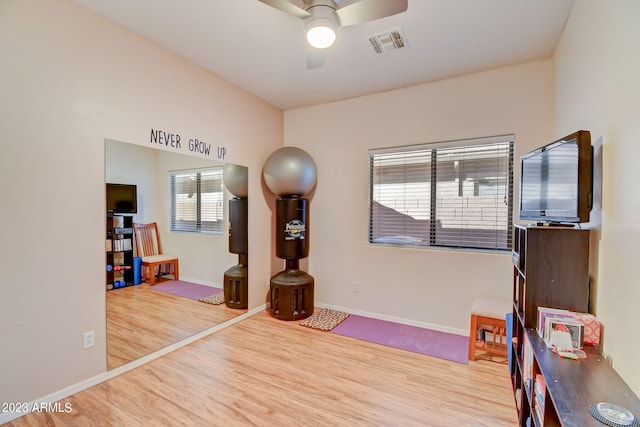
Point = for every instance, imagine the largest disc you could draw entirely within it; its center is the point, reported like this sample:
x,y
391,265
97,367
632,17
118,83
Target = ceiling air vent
x,y
389,40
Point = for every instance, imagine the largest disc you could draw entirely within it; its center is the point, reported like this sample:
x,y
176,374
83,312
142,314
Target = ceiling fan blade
x,y
315,58
287,7
369,10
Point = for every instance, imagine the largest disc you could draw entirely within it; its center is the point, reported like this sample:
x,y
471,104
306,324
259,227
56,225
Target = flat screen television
x,y
556,181
122,198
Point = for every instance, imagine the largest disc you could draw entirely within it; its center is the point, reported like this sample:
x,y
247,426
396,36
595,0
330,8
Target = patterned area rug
x,y
217,298
325,319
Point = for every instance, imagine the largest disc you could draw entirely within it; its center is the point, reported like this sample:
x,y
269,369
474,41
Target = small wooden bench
x,y
489,315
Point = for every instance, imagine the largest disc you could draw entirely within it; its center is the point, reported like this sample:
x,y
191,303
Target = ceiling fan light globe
x,y
321,35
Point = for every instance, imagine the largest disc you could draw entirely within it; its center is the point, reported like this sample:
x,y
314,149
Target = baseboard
x,y
408,322
90,382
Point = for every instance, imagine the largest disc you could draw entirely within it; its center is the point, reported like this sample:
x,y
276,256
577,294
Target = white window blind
x,y
197,200
454,194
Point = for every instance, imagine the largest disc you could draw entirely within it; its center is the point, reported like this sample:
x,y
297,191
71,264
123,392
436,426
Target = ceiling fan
x,y
323,17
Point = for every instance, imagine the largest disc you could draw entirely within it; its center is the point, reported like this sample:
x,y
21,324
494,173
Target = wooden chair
x,y
488,314
149,249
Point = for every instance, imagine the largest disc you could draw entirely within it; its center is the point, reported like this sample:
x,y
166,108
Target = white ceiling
x,y
262,50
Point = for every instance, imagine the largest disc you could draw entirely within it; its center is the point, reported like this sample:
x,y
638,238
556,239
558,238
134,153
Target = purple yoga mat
x,y
418,340
185,289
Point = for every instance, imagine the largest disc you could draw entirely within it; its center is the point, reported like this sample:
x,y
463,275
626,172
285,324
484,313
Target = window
x,y
196,200
454,194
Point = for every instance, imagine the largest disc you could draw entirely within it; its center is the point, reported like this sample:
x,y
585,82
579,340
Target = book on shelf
x,y
539,415
554,319
120,245
544,312
527,363
539,390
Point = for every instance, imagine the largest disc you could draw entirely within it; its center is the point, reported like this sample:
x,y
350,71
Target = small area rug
x,y
215,299
418,340
324,319
184,289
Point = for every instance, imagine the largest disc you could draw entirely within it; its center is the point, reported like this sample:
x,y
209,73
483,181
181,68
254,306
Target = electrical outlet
x,y
354,287
89,339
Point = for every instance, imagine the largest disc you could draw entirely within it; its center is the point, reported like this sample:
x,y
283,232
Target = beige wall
x,y
429,287
597,69
68,80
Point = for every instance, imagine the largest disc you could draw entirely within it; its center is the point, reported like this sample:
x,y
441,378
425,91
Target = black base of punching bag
x,y
291,293
236,286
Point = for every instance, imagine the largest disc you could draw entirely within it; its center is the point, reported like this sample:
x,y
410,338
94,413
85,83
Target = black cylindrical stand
x,y
292,234
291,290
236,286
238,221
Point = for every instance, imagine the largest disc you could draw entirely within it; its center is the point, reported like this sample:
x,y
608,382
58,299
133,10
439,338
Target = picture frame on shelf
x,y
571,326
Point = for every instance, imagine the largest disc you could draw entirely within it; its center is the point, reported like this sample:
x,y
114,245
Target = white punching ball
x,y
236,179
290,171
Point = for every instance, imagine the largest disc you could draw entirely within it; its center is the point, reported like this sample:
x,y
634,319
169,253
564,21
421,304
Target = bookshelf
x,y
119,251
551,270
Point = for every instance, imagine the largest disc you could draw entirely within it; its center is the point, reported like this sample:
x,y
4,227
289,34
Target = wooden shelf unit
x,y
119,251
551,269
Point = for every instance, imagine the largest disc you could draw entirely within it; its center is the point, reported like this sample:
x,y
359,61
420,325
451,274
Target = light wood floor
x,y
141,321
266,372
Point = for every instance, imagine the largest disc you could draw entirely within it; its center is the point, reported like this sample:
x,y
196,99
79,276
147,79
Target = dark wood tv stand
x,y
551,270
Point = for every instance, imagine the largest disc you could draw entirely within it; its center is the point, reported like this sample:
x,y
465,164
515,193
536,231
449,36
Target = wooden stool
x,y
489,314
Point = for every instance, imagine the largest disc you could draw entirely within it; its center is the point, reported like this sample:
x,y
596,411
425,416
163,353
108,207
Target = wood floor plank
x,y
265,372
141,320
